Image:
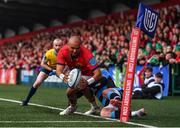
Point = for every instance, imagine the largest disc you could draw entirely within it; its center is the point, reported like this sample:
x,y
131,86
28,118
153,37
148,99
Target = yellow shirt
x,y
50,58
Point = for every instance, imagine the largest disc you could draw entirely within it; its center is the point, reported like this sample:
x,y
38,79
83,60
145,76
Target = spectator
x,y
109,37
177,51
149,50
152,90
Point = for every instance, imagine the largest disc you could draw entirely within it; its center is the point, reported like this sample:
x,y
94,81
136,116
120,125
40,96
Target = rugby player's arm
x,y
94,67
97,74
60,66
45,65
60,73
59,69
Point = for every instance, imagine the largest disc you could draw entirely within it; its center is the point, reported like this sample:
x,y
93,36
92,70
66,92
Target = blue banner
x,y
29,77
147,20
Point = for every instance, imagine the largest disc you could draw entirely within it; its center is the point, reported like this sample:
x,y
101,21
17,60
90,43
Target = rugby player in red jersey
x,y
75,55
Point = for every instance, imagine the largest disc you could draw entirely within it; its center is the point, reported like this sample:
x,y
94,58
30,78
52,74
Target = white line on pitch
x,y
43,121
54,108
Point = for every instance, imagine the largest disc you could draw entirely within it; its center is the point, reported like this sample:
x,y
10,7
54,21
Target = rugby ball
x,y
74,77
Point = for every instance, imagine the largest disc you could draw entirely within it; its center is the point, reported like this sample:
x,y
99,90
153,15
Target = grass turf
x,y
161,113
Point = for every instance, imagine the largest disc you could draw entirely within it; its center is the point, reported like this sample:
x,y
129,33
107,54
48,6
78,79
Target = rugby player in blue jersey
x,y
110,97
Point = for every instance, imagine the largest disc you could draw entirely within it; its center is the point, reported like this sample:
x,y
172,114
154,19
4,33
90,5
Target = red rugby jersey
x,y
85,61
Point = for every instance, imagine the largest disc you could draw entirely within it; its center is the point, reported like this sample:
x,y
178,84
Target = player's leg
x,y
114,108
90,93
98,90
72,101
105,84
95,109
139,113
79,94
72,98
112,93
71,95
40,78
110,112
99,94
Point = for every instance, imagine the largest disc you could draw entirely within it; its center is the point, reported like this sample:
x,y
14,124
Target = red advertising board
x,y
8,76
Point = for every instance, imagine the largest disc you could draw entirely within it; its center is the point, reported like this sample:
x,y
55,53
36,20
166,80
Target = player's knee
x,y
39,80
89,95
37,84
69,93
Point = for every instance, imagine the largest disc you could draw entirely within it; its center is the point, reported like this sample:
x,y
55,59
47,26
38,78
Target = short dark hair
x,y
149,69
159,75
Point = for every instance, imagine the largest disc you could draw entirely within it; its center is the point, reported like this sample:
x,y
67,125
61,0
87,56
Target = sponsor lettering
x,y
130,75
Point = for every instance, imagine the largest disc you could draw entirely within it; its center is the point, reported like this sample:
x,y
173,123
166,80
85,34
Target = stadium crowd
x,y
108,39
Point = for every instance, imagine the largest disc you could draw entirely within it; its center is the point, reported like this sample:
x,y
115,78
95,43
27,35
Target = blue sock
x,y
31,93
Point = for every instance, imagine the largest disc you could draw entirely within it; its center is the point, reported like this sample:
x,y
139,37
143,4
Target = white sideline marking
x,y
47,121
54,108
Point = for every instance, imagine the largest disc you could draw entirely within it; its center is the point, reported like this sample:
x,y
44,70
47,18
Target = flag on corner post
x,y
147,20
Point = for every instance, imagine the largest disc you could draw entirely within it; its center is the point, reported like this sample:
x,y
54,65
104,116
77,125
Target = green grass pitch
x,y
161,113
